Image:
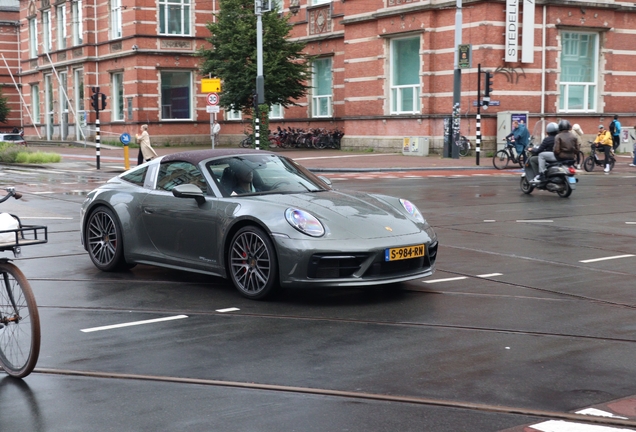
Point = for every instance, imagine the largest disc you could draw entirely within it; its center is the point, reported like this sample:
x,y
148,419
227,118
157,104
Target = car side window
x,y
136,177
175,173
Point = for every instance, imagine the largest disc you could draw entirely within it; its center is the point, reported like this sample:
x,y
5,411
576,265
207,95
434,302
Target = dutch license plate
x,y
406,252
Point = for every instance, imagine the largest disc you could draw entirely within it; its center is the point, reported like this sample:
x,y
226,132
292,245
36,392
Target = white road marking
x,y
599,413
42,193
490,275
445,280
535,220
232,309
606,258
489,220
563,426
630,223
45,217
134,323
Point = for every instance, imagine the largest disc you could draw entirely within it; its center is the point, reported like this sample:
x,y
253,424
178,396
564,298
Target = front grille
x,y
386,268
325,266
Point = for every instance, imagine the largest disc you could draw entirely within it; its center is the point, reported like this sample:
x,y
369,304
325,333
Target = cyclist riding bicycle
x,y
521,136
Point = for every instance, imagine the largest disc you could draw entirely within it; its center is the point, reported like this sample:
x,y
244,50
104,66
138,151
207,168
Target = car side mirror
x,y
189,191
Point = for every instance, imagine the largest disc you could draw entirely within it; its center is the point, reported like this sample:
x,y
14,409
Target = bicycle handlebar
x,y
10,193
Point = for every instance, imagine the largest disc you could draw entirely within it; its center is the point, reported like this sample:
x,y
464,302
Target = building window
x,y
78,26
318,2
322,90
233,115
35,103
115,19
579,72
176,95
118,96
33,37
405,76
174,17
277,111
80,112
46,31
60,13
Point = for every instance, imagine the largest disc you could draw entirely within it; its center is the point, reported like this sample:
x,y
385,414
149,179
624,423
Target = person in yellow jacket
x,y
604,138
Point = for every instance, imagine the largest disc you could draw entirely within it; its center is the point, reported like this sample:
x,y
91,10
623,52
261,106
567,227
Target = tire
x,y
589,163
104,240
525,186
501,159
566,192
612,163
252,263
20,332
464,146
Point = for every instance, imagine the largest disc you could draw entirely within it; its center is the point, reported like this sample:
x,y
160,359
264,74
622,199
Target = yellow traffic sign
x,y
210,85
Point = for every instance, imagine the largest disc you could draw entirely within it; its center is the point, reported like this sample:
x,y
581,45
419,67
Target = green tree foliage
x,y
233,57
4,108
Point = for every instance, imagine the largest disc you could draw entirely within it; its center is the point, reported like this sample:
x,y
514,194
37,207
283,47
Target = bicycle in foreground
x,y
503,157
19,317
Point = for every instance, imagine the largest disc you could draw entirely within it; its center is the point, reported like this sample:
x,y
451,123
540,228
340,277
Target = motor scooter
x,y
560,177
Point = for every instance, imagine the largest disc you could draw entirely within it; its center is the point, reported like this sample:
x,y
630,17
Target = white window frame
x,y
35,103
80,108
115,19
397,92
46,31
33,37
232,115
77,22
185,13
190,97
277,111
60,15
319,2
117,96
318,99
566,86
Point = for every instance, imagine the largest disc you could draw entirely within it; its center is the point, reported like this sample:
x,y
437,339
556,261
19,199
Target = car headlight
x,y
304,222
412,210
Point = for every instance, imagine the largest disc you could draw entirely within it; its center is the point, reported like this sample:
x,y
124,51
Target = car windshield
x,y
262,174
12,138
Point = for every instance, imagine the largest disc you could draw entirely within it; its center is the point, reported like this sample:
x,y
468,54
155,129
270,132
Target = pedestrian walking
x,y
633,164
615,130
146,152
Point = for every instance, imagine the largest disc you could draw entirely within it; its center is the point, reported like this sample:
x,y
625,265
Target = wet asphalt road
x,y
516,327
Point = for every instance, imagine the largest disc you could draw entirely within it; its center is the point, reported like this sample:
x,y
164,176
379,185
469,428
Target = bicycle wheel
x,y
464,146
500,159
20,332
588,164
247,142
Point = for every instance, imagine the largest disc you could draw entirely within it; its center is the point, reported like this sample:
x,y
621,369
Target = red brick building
x,y
384,69
10,60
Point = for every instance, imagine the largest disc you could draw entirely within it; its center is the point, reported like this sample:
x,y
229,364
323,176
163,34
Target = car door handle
x,y
149,210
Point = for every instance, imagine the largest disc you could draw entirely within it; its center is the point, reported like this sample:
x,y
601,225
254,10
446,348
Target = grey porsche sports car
x,y
257,218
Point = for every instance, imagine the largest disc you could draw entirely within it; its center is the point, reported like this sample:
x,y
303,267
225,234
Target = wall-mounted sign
x,y
527,35
512,31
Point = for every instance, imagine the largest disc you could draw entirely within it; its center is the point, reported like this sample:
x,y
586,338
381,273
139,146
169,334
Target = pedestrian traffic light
x,y
488,89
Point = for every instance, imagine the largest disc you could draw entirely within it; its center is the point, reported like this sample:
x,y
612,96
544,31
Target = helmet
x,y
552,128
564,125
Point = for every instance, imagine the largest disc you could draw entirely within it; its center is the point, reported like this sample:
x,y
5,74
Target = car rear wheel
x,y
253,265
104,240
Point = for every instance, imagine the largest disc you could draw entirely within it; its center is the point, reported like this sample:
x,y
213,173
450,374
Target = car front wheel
x,y
253,265
104,240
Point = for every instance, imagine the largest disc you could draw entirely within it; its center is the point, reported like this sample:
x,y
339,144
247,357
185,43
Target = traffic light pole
x,y
95,98
478,119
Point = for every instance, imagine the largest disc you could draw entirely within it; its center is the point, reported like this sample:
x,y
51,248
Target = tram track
x,y
417,400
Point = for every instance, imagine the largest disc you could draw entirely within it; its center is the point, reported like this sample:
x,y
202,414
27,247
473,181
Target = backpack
x,y
612,127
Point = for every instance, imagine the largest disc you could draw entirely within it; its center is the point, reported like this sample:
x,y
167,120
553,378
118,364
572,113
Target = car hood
x,y
359,214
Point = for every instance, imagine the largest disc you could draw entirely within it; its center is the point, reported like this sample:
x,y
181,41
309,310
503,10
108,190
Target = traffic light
x,y
488,89
94,101
103,101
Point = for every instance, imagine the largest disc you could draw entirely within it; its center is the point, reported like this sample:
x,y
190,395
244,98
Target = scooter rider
x,y
547,145
565,147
